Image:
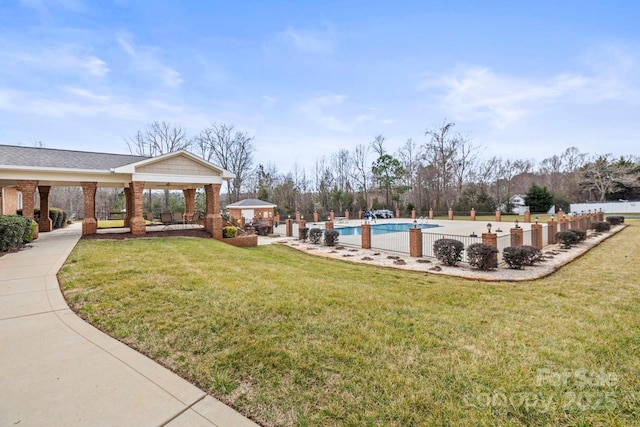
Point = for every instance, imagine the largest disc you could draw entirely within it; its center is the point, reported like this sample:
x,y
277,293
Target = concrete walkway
x,y
57,370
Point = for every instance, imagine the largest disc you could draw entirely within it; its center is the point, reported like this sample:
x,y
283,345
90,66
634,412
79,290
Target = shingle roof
x,y
250,203
11,155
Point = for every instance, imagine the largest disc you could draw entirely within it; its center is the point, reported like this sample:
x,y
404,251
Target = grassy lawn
x,y
113,223
291,339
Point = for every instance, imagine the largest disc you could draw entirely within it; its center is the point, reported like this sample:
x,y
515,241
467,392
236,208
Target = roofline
x,y
52,169
130,168
75,151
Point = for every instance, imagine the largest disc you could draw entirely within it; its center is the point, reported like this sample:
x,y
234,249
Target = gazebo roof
x,y
65,159
251,204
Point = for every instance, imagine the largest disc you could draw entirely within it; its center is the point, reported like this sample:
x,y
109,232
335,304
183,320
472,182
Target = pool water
x,y
381,228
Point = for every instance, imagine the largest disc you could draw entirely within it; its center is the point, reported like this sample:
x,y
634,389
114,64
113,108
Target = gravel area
x,y
555,257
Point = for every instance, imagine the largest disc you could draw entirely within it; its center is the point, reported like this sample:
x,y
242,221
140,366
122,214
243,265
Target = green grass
x,y
113,223
291,339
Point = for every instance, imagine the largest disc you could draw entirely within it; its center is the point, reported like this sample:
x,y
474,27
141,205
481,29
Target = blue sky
x,y
522,79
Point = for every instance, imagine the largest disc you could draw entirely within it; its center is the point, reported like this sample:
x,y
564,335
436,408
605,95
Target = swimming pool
x,y
381,228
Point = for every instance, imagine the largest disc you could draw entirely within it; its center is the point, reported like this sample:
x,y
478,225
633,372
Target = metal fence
x,y
429,238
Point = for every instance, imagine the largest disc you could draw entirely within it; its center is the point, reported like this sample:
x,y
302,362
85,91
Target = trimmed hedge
x,y
57,216
482,257
315,235
331,237
448,251
303,233
601,227
615,219
517,257
14,231
567,238
229,232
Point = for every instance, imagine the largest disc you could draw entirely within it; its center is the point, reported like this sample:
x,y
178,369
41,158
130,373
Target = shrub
x,y
57,216
29,232
448,251
13,230
532,255
229,232
601,227
582,235
303,233
331,237
514,257
615,219
482,257
567,238
315,234
262,229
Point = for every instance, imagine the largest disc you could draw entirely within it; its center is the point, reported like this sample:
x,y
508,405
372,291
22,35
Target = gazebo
x,y
25,170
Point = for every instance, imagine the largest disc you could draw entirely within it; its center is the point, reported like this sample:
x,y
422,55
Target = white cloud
x,y
61,57
146,59
335,112
307,41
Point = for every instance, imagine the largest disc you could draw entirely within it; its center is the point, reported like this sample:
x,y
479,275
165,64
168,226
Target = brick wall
x,y
242,242
8,200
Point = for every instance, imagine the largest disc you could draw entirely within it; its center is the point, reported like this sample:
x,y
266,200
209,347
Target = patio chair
x,y
195,219
149,216
166,218
178,218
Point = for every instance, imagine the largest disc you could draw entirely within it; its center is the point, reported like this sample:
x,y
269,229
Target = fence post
x,y
413,214
450,213
366,236
552,230
328,225
315,216
527,216
491,239
288,227
346,214
397,213
297,216
472,214
415,242
536,236
560,215
332,215
516,236
359,213
498,215
430,213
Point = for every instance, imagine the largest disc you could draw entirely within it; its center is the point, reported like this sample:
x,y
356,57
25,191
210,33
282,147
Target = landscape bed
x,y
292,339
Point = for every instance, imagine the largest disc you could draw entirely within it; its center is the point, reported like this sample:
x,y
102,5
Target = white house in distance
x,y
517,204
249,209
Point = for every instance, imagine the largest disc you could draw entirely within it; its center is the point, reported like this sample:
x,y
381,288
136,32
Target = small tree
x,y
538,198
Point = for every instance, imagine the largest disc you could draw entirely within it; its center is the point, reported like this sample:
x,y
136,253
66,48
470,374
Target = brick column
x,y
415,242
359,213
332,215
516,237
209,203
491,239
28,190
347,214
589,221
498,215
189,203
564,224
397,213
137,223
527,216
472,214
536,236
560,214
328,225
297,216
552,229
288,227
450,213
128,201
431,213
413,214
213,211
44,223
302,223
89,223
315,217
366,236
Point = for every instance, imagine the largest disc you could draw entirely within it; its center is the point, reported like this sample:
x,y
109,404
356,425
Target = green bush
x,y
532,255
615,219
601,227
29,232
567,238
13,230
518,257
303,233
482,257
229,232
315,235
582,235
448,251
262,229
331,237
57,216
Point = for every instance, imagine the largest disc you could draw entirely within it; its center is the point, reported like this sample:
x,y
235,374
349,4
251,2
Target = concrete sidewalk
x,y
57,370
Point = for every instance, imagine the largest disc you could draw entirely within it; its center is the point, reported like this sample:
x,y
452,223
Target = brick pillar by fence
x,y
450,214
491,239
366,236
516,237
347,214
564,224
430,213
575,223
527,216
397,213
328,225
601,216
44,223
298,217
137,223
332,215
128,207
189,203
472,214
89,223
302,223
536,236
498,215
582,221
560,215
413,214
552,229
315,217
288,227
589,220
415,242
359,213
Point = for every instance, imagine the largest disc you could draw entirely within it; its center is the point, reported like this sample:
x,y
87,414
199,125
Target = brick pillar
x,y
516,237
536,236
366,236
332,215
328,225
527,216
450,213
128,203
288,227
28,190
472,214
564,224
89,223
44,223
415,242
216,225
137,223
397,213
315,217
346,214
189,203
297,216
552,229
359,213
491,239
589,221
413,214
431,213
560,214
498,215
209,202
302,223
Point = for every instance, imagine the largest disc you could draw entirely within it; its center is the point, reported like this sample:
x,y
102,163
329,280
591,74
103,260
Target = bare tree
x,y
440,151
232,150
603,175
360,171
409,157
463,163
378,145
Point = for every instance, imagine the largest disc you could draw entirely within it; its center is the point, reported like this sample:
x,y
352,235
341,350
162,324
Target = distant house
x,y
517,203
249,209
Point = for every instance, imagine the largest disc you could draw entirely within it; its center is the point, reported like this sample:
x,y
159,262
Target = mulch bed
x,y
193,232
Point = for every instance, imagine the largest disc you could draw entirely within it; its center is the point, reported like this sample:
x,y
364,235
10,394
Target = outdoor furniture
x,y
149,216
178,218
195,219
166,218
